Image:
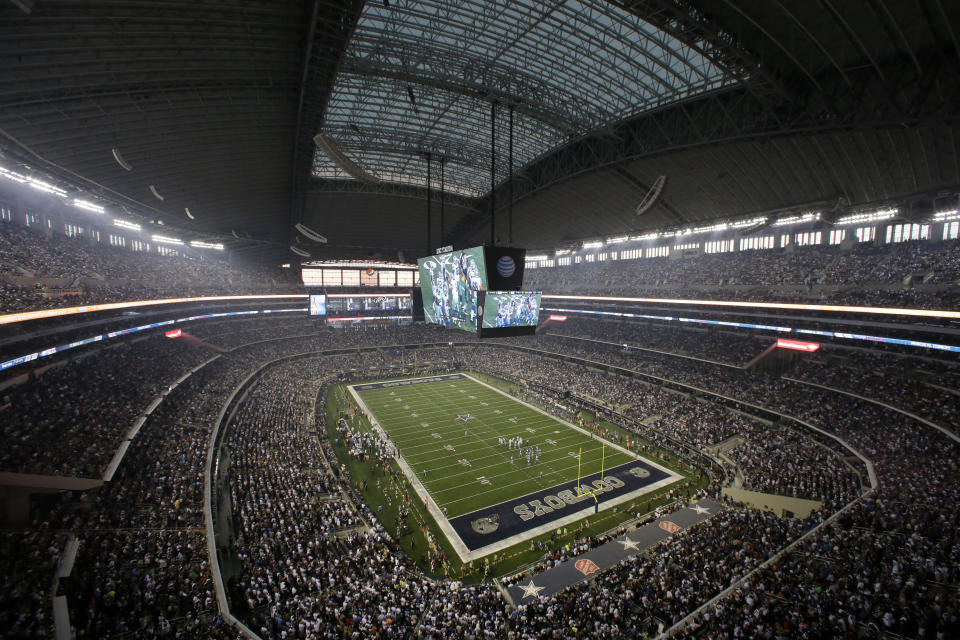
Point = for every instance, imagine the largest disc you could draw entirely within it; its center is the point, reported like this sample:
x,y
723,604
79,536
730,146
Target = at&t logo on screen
x,y
506,266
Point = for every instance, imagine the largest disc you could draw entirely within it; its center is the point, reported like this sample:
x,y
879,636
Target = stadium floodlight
x,y
617,240
87,206
561,252
186,210
874,216
13,175
647,236
200,244
797,219
123,224
537,258
166,240
593,245
46,187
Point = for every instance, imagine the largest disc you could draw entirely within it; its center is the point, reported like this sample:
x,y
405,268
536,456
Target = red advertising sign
x,y
174,333
558,318
798,345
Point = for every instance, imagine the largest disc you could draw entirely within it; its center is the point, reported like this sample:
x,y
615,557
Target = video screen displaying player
x,y
511,309
450,282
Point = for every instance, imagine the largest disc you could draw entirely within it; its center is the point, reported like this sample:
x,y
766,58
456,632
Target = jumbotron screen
x,y
505,309
450,282
318,304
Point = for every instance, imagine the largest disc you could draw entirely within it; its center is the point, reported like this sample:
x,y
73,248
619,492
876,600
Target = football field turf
x,y
448,432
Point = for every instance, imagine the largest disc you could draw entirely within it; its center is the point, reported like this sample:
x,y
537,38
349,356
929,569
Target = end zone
x,y
499,526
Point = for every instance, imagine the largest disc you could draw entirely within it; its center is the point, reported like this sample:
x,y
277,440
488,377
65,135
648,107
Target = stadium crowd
x,y
860,376
864,275
30,559
314,562
89,272
70,419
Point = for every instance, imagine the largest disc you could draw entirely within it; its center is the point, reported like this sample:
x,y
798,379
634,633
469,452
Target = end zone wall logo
x,y
669,527
586,566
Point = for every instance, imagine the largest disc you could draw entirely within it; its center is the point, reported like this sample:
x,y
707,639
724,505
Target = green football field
x,y
448,432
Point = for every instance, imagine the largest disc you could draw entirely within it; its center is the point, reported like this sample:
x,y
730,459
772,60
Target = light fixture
x,y
166,240
123,224
46,187
155,193
187,211
797,219
309,233
299,252
119,158
593,245
200,244
536,258
13,175
874,216
87,206
651,196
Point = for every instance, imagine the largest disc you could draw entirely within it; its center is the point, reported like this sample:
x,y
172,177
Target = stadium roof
x,y
422,77
746,107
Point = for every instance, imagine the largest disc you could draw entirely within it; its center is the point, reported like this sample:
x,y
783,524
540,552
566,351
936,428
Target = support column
x,y
429,212
493,173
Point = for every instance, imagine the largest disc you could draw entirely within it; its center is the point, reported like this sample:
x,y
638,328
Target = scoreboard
x,y
455,285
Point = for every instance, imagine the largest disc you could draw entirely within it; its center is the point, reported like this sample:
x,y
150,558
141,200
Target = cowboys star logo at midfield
x,y
464,417
700,510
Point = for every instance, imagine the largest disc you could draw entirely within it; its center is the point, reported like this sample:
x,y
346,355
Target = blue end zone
x,y
408,383
501,521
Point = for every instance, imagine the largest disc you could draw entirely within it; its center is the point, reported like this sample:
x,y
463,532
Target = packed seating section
x,y
142,564
901,274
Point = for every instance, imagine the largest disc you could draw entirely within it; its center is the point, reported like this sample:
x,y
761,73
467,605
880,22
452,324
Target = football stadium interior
x,y
480,319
